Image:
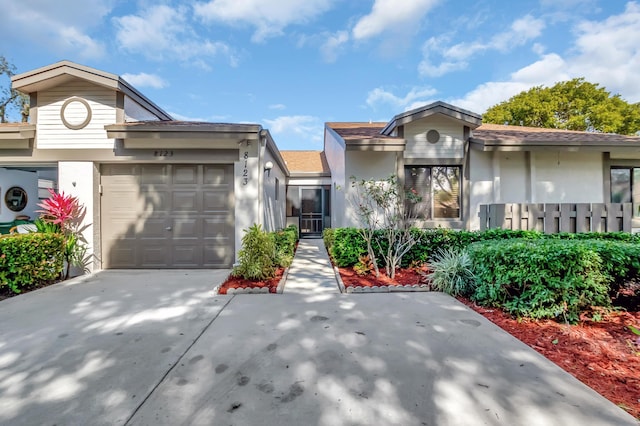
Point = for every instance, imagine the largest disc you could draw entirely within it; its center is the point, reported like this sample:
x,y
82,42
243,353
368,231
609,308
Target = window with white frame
x,y
438,188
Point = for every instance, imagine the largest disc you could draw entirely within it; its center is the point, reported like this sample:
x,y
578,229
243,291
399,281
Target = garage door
x,y
167,216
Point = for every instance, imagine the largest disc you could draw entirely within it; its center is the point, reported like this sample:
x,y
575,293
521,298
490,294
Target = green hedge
x,y
550,277
30,260
345,245
285,240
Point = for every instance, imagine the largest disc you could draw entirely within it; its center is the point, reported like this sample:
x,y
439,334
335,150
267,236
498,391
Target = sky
x,y
292,65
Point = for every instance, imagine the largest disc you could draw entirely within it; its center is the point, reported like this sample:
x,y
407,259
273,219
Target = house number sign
x,y
245,168
163,153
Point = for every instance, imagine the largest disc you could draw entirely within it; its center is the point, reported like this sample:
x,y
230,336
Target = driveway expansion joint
x,y
178,360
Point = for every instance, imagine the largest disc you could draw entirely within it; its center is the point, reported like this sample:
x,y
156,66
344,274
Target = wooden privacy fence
x,y
554,218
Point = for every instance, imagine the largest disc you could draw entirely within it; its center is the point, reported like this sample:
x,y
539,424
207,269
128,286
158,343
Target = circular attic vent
x,y
433,136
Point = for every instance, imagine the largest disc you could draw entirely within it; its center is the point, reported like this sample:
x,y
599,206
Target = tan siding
x,y
451,144
52,133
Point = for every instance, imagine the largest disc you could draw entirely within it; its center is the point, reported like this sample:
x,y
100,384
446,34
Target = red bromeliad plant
x,y
65,213
62,210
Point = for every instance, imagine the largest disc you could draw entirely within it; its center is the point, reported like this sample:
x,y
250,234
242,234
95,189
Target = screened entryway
x,y
310,208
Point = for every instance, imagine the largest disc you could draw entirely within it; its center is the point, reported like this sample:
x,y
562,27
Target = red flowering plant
x,y
63,213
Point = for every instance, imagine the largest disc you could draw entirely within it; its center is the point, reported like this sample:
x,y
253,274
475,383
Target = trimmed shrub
x,y
257,255
452,272
540,278
30,260
285,241
329,237
347,247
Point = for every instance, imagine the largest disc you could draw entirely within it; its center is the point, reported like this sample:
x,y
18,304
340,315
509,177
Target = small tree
x,y
382,205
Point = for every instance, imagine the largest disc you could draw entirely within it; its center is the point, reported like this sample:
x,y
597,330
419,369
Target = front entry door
x,y
311,212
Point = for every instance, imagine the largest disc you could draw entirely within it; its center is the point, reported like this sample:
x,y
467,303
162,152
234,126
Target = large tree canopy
x,y
571,105
10,98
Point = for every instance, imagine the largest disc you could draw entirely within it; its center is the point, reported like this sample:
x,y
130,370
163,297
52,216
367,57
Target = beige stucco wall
x,y
334,151
363,165
534,177
481,183
567,177
52,133
274,208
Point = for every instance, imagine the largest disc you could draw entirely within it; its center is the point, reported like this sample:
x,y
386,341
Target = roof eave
x,y
302,175
51,75
17,137
522,145
376,144
275,152
468,118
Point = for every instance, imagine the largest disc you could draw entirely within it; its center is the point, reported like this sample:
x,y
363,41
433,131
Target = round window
x,y
16,199
433,136
75,113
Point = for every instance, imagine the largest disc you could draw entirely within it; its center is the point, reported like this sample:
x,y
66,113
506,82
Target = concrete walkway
x,y
158,348
311,272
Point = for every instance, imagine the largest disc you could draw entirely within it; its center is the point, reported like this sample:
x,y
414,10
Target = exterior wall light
x,y
267,167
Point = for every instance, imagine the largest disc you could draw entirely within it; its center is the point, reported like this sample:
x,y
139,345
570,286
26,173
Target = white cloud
x,y
304,127
333,45
457,56
277,106
73,40
609,52
269,17
164,33
391,15
145,80
605,52
416,97
62,26
547,71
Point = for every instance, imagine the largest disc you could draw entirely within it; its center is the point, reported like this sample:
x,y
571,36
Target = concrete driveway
x,y
157,348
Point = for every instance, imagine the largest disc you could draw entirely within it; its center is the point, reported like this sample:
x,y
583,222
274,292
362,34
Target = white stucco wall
x,y
363,165
513,177
550,177
77,178
481,182
274,209
567,177
450,145
246,190
334,151
25,180
52,133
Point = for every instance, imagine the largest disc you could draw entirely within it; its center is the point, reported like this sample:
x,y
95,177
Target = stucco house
x,y
163,193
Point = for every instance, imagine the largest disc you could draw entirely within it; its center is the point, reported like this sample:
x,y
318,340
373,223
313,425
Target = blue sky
x,y
292,65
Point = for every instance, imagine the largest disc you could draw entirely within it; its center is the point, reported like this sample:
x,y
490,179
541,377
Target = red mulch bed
x,y
605,355
403,277
238,282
